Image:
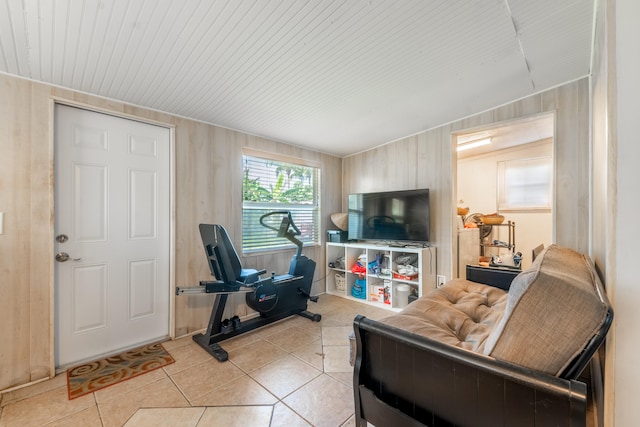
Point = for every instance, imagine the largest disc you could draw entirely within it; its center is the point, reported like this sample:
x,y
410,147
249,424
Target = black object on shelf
x,y
337,236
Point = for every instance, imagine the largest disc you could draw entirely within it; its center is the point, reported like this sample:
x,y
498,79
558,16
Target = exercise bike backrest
x,y
223,259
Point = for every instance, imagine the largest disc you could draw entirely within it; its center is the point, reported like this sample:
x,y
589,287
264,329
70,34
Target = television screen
x,y
390,215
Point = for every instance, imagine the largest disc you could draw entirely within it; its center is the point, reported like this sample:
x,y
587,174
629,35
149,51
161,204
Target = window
x,y
270,184
524,184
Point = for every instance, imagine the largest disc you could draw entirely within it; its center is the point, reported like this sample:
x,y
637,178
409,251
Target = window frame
x,y
503,188
279,244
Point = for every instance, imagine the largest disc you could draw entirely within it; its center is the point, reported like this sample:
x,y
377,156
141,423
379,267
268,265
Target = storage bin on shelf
x,y
380,292
405,267
359,289
413,277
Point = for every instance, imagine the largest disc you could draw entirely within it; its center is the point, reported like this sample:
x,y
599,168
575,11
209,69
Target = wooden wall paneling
x,y
603,137
525,107
383,173
348,164
478,121
582,140
571,214
26,264
192,180
442,222
368,175
16,167
232,149
565,169
439,183
330,199
41,237
182,241
331,202
426,161
403,166
604,224
228,197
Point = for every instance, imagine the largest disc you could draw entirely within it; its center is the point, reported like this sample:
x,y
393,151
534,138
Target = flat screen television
x,y
394,216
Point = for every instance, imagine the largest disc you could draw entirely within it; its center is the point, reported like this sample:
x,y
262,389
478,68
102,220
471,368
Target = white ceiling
x,y
338,76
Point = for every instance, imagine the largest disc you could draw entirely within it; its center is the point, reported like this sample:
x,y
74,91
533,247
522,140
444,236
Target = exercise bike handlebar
x,y
279,229
286,229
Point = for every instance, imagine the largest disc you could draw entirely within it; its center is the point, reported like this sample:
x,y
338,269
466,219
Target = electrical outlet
x,y
440,280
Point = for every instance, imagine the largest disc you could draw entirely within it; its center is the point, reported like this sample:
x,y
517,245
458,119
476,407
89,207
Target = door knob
x,y
63,256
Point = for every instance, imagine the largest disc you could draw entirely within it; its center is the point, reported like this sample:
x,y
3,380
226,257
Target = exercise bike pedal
x,y
305,294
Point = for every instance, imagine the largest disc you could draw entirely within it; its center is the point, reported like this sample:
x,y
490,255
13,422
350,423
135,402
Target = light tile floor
x,y
292,373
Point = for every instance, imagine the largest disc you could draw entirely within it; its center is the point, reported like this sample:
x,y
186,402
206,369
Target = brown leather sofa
x,y
470,354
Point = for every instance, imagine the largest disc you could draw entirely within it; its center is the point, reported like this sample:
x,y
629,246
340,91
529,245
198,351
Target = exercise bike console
x,y
274,297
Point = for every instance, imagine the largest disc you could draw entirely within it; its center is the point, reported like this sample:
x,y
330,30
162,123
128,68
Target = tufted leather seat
x,y
462,313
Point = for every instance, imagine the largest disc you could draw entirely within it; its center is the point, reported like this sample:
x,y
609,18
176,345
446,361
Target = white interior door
x,y
112,222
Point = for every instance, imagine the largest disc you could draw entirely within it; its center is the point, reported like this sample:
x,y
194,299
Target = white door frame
x,y
172,208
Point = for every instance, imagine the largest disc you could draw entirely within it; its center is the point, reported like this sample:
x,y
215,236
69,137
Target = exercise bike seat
x,y
249,275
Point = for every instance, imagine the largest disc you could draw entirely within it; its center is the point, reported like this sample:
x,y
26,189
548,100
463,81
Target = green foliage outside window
x,y
292,184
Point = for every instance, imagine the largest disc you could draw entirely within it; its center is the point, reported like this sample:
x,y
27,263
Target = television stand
x,y
340,280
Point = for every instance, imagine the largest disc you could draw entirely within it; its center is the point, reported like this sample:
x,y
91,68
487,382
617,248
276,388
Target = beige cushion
x,y
552,311
460,313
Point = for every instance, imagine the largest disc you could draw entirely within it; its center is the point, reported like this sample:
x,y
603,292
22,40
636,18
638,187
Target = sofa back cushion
x,y
553,310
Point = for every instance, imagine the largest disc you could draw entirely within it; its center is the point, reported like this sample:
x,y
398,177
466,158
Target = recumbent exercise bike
x,y
274,297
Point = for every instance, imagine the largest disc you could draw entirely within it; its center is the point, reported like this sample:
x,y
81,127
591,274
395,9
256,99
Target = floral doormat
x,y
97,375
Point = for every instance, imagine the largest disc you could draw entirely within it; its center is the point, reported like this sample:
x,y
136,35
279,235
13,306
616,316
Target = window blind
x,y
524,184
270,185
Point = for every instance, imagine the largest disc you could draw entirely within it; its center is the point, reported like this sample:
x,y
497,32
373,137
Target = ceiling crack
x,y
517,34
